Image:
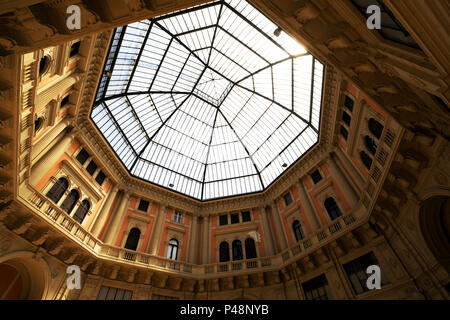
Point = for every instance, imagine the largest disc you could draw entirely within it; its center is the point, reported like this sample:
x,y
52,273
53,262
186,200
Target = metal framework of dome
x,y
212,101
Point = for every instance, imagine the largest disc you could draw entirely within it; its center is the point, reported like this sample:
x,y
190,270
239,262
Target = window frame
x,y
172,247
366,160
350,107
355,271
249,216
221,219
343,132
136,236
144,203
104,292
102,180
79,215
333,206
297,226
234,216
222,256
78,46
66,205
314,285
57,186
89,165
83,150
317,171
237,250
177,216
286,201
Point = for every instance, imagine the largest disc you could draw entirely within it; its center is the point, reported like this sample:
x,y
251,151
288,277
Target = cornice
x,y
90,135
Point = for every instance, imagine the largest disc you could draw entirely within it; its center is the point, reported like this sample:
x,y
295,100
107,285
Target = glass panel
x,y
100,178
82,156
128,294
246,216
111,294
119,295
102,293
212,101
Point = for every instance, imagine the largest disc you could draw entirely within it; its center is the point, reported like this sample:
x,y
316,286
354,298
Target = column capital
x,y
329,157
127,192
163,204
115,188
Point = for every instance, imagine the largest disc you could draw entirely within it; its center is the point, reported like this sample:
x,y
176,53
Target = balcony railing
x,y
62,220
67,224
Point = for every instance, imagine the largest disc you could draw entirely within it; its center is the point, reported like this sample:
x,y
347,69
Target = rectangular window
x,y
100,177
82,156
246,216
316,176
160,297
177,217
75,49
287,199
349,103
317,289
64,101
109,293
356,272
344,132
234,217
143,205
223,220
92,166
346,118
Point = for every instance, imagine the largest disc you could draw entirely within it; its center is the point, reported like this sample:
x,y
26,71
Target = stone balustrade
x,y
66,224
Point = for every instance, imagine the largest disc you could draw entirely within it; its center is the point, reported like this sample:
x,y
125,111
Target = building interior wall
x,y
396,208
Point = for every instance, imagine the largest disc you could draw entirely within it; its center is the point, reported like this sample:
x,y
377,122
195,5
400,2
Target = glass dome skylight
x,y
211,102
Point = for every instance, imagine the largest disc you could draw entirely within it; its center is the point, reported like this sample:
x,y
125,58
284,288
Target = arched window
x,y
332,208
250,248
44,65
172,252
366,160
38,124
224,252
375,127
297,230
371,145
75,49
82,211
237,250
133,239
58,189
70,201
64,101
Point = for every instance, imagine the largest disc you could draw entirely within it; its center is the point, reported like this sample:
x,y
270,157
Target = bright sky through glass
x,y
208,101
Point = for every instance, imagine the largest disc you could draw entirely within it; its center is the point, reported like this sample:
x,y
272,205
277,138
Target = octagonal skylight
x,y
212,101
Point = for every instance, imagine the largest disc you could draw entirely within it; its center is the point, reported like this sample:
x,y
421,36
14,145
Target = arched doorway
x,y
11,283
224,252
434,217
133,239
22,277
